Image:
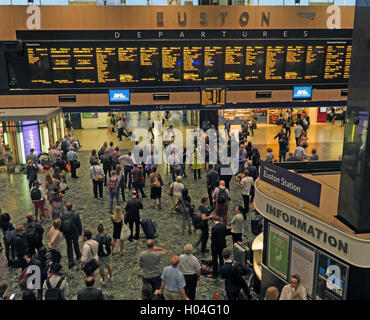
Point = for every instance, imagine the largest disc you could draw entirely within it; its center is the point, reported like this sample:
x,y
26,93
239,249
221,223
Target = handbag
x,y
68,166
125,232
77,164
92,265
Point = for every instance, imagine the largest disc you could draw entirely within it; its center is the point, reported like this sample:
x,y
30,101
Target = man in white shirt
x,y
300,153
175,165
190,267
246,184
294,290
297,133
89,250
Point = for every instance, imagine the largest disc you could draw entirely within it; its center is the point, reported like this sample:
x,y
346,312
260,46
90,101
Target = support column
x,y
354,194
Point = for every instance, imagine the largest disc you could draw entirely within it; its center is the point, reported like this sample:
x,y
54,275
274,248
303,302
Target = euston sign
x,y
293,183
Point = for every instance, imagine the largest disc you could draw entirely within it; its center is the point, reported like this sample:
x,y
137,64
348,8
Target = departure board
x,y
295,61
254,62
334,63
106,65
150,64
347,62
61,64
315,59
39,62
128,61
275,56
215,96
249,62
171,64
234,58
213,63
85,65
193,61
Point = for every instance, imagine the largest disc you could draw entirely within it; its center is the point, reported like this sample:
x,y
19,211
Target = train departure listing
x,y
251,62
193,60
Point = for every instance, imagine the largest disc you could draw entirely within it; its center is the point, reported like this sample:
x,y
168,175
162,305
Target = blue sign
x,y
119,96
302,92
293,183
31,136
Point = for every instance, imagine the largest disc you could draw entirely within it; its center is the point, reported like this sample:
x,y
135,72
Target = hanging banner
x,y
31,137
293,183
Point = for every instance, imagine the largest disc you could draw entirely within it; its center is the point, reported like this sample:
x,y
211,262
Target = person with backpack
x,y
20,249
212,180
31,170
113,190
107,165
9,234
34,233
115,158
184,207
156,183
138,180
222,197
233,273
56,201
97,177
72,229
104,253
55,287
133,207
39,259
38,200
205,216
91,292
64,146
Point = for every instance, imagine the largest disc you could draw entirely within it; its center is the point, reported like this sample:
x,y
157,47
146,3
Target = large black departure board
x,y
130,64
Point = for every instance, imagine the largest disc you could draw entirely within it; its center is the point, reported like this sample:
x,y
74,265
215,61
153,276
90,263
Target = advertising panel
x,y
278,254
31,136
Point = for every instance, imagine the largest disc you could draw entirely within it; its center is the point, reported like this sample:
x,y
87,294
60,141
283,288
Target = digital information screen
x,y
150,64
213,63
193,61
234,63
171,64
315,59
61,62
214,96
132,64
294,63
84,65
334,64
39,62
255,63
106,64
128,61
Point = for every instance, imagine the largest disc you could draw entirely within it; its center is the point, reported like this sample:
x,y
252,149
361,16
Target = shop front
x,y
23,129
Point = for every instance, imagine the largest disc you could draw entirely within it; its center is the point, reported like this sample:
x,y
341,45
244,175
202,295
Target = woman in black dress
x,y
156,184
117,220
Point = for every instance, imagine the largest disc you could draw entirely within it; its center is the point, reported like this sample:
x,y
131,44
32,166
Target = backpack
x,y
54,293
221,197
104,249
113,186
31,232
63,146
197,219
68,225
9,236
35,194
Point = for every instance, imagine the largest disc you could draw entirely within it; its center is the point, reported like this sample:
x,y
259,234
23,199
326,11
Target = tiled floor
x,y
15,199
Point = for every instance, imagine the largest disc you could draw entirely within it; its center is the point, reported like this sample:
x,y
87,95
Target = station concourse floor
x,y
15,199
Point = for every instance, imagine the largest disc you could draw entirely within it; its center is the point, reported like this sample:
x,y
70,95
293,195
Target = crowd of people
x,y
127,178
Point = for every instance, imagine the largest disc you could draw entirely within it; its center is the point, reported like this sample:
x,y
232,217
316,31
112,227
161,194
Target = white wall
x,y
94,123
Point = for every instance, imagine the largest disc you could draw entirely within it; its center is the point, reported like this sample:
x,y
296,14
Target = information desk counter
x,y
302,238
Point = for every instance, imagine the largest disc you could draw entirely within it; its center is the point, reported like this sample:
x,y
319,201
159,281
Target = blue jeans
x,y
111,196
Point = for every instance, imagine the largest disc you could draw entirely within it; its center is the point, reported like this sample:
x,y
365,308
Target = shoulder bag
x,y
92,265
98,177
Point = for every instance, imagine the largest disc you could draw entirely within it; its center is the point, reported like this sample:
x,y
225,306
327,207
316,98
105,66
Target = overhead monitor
x,y
304,93
119,96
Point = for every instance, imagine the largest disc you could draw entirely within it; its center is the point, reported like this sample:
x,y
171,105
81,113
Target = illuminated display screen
x,y
213,97
31,137
149,63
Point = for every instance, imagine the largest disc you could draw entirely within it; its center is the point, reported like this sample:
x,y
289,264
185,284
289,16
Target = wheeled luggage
x,y
148,228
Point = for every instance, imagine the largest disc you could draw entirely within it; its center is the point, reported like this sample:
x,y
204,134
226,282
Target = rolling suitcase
x,y
148,228
242,254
